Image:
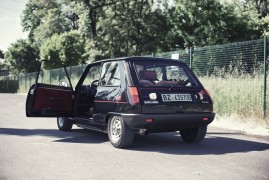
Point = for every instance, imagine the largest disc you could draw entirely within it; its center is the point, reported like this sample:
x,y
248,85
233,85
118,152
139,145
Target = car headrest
x,y
141,74
150,75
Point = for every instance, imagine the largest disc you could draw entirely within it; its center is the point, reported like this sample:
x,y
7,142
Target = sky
x,y
10,22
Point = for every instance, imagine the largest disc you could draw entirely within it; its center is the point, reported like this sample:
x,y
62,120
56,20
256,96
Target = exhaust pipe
x,y
143,132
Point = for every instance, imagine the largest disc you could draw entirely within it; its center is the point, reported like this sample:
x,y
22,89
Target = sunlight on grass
x,y
242,96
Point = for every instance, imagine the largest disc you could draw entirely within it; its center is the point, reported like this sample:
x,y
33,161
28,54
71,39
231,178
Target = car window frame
x,y
99,72
85,73
120,74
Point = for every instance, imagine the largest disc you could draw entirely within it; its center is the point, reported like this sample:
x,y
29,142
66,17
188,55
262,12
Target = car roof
x,y
137,58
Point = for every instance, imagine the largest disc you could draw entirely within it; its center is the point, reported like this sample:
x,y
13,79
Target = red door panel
x,y
53,98
50,101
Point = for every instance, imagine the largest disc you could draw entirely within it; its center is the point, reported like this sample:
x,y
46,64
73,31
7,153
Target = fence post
x,y
50,75
265,75
81,68
20,82
60,76
30,83
70,72
25,81
42,76
190,51
7,83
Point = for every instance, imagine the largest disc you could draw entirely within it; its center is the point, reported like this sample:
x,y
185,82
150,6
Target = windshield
x,y
156,73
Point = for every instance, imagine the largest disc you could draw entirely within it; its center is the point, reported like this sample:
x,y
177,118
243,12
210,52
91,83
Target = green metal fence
x,y
234,74
53,76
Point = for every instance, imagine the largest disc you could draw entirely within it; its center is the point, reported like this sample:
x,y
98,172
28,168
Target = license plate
x,y
176,97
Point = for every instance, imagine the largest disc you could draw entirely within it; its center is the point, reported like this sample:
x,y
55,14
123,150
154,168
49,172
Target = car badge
x,y
153,96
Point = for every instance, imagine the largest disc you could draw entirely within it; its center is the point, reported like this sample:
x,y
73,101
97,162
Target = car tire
x,y
64,124
119,134
193,135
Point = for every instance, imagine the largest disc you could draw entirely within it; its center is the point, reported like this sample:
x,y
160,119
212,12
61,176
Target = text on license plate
x,y
176,97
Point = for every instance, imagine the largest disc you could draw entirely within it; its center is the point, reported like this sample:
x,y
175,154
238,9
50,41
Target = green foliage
x,y
93,53
253,14
132,28
84,20
207,22
43,18
35,13
21,56
112,28
135,27
66,48
260,6
54,23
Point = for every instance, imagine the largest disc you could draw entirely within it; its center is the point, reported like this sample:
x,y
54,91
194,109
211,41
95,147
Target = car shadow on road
x,y
214,143
84,136
74,136
168,143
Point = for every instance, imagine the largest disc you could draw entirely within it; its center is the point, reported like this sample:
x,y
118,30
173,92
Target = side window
x,y
110,75
93,74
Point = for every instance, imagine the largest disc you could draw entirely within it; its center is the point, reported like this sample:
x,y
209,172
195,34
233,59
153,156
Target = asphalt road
x,y
33,148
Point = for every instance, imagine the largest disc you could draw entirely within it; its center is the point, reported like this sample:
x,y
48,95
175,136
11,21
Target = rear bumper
x,y
167,122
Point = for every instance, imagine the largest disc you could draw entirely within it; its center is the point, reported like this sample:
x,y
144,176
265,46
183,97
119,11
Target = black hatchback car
x,y
126,96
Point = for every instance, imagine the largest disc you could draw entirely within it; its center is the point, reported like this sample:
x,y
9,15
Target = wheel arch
x,y
109,115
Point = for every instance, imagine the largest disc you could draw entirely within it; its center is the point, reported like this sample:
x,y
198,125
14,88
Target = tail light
x,y
204,95
134,95
210,98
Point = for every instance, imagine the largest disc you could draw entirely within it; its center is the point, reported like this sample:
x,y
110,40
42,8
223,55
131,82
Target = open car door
x,y
52,96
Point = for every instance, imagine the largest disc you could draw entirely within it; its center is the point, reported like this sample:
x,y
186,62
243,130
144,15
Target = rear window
x,y
156,73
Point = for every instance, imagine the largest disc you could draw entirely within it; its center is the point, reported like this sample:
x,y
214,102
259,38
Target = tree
x,y
113,28
258,10
21,57
34,14
90,12
261,7
67,48
54,23
208,22
43,18
132,28
250,23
